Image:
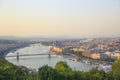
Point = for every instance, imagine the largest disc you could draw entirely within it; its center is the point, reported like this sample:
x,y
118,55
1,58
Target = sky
x,y
76,18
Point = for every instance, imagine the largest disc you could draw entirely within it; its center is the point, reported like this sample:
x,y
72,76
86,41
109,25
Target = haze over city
x,y
76,18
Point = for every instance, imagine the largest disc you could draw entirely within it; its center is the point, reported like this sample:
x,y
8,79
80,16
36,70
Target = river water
x,y
38,61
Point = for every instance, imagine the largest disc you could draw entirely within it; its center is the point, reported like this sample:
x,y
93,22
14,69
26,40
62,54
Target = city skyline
x,y
76,18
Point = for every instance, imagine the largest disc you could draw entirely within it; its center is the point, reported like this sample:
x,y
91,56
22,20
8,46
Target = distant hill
x,y
10,38
23,38
38,38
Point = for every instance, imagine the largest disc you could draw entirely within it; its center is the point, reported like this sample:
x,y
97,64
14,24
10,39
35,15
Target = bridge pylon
x,y
17,56
49,55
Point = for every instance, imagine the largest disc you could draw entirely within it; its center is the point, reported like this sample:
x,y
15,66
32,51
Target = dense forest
x,y
62,71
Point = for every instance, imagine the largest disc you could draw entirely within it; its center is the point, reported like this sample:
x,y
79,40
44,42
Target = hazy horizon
x,y
74,18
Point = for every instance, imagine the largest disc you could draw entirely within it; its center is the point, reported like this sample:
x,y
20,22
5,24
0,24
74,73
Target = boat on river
x,y
86,61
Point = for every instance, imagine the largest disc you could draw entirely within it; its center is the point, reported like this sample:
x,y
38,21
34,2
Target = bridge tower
x,y
17,56
49,55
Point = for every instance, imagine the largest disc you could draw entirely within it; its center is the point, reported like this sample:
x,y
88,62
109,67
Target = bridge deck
x,y
28,55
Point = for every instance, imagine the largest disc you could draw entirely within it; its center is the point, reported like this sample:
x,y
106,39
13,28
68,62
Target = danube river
x,y
37,61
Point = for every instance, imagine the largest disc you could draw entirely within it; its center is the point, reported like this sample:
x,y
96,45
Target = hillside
x,y
8,71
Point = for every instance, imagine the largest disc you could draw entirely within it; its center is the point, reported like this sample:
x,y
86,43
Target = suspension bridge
x,y
18,54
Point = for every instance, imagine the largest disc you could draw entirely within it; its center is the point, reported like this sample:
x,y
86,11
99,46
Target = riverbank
x,y
4,53
100,65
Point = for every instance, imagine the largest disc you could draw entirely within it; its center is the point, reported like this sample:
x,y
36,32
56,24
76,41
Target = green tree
x,y
9,71
78,75
64,70
48,73
63,67
97,74
116,70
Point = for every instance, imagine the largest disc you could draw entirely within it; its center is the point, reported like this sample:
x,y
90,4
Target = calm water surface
x,y
40,60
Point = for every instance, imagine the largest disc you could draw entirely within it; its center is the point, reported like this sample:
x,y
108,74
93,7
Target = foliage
x,y
48,73
63,68
61,71
78,53
9,71
116,70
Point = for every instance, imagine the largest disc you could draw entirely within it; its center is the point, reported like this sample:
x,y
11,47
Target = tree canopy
x,y
62,71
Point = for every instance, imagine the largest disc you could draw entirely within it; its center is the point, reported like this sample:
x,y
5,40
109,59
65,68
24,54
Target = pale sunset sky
x,y
76,18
